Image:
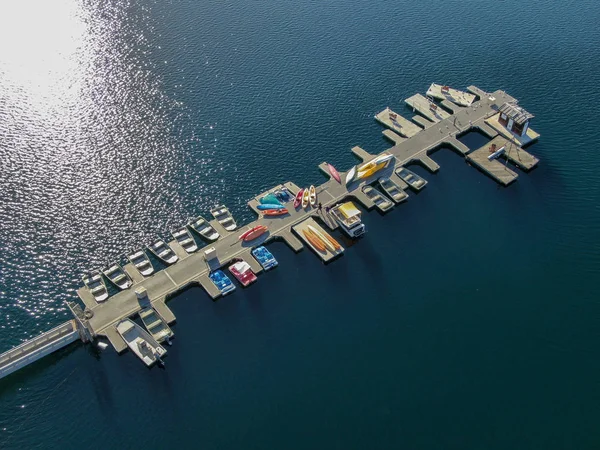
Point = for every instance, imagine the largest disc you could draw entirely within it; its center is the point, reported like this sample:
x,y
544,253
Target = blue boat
x,y
270,199
221,281
262,207
283,195
264,257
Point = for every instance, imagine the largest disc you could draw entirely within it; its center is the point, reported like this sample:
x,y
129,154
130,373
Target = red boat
x,y
253,233
298,199
243,273
275,212
334,173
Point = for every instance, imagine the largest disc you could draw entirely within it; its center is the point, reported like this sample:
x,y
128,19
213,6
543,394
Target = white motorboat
x,y
224,217
95,283
393,190
117,276
140,342
141,262
185,239
201,226
155,325
163,252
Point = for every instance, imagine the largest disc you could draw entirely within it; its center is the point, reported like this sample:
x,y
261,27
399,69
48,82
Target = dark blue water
x,y
466,318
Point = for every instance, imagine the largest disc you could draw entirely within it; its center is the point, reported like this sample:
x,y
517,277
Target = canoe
x,y
314,240
334,173
330,242
351,174
305,198
298,199
264,207
253,233
275,212
313,195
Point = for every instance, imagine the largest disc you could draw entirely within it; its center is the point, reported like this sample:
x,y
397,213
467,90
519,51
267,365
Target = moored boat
x,y
201,226
224,217
298,199
156,325
243,273
393,190
349,218
117,276
185,239
312,192
140,342
95,283
375,165
378,198
163,252
305,198
334,173
141,262
412,179
329,241
253,233
264,257
222,282
275,212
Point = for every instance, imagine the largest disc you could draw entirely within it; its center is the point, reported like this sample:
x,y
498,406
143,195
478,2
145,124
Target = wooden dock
x,y
327,254
432,112
453,95
397,123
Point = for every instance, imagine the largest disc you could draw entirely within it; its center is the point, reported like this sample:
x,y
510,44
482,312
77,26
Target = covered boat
x,y
264,257
163,252
95,283
141,262
201,226
242,271
349,218
185,239
117,276
224,217
140,342
270,199
222,282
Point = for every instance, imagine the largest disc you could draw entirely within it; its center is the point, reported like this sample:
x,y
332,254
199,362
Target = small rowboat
x,y
313,195
298,199
264,207
314,240
305,198
275,212
334,173
253,233
330,242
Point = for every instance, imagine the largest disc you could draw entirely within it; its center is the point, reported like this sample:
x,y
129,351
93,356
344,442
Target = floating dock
x,y
412,145
446,93
327,254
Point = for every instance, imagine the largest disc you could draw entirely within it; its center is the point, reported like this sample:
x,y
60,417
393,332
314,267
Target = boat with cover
x,y
298,199
224,217
253,233
140,342
242,271
378,198
117,276
222,282
185,239
329,242
156,325
163,252
265,206
95,283
201,226
270,199
411,178
314,240
349,218
275,212
141,262
305,198
264,257
312,192
334,173
393,190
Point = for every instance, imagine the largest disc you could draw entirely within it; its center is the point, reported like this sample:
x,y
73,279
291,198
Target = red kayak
x,y
334,173
275,212
298,199
253,233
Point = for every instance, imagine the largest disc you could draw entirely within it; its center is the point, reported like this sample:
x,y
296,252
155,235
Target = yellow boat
x,y
375,165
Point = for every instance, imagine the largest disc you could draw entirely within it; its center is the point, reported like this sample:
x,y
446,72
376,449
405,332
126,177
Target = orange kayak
x,y
314,240
325,236
253,233
275,212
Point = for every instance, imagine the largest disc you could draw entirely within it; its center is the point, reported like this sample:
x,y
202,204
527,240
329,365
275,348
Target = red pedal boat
x,y
298,199
253,233
242,272
275,212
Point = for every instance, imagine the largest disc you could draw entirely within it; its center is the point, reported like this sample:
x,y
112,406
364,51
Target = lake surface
x,y
466,318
